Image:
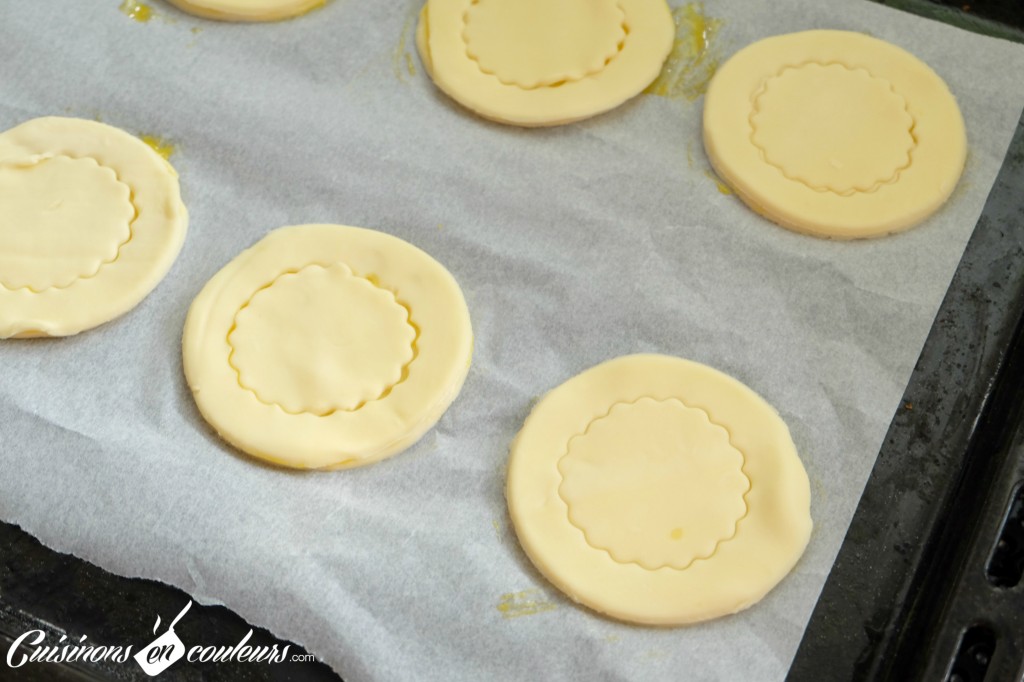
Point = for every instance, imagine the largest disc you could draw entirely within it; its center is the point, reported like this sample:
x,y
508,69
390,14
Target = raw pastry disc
x,y
325,346
92,220
543,62
834,133
658,490
247,10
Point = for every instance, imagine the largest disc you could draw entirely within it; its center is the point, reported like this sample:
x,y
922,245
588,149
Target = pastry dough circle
x,y
834,133
247,10
320,426
558,82
640,586
92,222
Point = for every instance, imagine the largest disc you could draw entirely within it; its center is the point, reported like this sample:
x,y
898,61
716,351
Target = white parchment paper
x,y
573,245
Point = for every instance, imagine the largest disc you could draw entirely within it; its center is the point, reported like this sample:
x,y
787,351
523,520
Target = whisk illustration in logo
x,y
154,658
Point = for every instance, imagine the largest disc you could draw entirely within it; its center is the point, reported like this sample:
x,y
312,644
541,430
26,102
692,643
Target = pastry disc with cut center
x,y
543,62
834,133
91,221
326,346
658,490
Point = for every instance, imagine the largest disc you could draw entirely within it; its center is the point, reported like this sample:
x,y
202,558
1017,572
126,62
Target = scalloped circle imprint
x,y
654,483
327,346
658,490
529,43
92,222
337,341
543,62
63,219
247,10
840,113
834,133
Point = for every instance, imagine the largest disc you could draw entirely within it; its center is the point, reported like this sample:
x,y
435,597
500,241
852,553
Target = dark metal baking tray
x,y
912,593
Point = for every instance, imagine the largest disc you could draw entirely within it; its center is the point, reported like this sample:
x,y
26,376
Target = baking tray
x,y
911,595
927,583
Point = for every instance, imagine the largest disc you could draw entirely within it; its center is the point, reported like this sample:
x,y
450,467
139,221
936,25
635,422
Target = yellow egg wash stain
x,y
694,57
401,59
525,603
160,146
136,10
818,490
710,174
722,187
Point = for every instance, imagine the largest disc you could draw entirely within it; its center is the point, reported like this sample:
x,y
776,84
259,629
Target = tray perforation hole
x,y
1006,562
974,655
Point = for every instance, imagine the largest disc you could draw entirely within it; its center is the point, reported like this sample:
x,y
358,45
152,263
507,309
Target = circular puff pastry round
x,y
92,220
658,490
834,133
543,62
326,346
247,10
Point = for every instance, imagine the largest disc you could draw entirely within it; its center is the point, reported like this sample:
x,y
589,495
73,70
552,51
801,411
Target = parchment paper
x,y
573,245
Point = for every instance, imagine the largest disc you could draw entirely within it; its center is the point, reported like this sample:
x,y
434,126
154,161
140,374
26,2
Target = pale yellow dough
x,y
91,221
658,490
326,346
834,133
247,10
543,62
